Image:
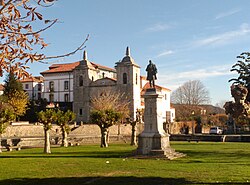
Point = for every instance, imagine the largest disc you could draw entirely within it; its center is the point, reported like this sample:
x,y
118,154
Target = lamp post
x,y
193,131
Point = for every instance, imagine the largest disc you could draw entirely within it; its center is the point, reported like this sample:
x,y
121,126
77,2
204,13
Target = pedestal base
x,y
156,145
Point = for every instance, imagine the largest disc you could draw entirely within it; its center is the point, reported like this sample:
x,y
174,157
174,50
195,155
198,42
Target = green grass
x,y
206,163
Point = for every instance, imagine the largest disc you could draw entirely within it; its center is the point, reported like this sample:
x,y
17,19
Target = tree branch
x,y
71,53
5,5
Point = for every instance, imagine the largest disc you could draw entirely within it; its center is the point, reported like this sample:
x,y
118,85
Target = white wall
x,y
32,89
59,91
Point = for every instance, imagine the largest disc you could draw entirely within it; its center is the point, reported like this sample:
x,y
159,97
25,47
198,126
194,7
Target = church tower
x,y
84,74
128,81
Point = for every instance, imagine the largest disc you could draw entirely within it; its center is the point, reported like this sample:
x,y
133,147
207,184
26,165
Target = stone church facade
x,y
86,79
85,86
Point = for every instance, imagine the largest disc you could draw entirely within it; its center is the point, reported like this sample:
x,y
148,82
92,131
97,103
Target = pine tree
x,y
12,85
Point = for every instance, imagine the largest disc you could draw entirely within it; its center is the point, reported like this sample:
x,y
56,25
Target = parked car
x,y
215,130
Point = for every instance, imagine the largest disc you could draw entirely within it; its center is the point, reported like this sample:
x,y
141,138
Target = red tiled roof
x,y
38,79
102,67
59,68
147,86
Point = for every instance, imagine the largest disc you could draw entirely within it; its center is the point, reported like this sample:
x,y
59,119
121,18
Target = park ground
x,y
205,163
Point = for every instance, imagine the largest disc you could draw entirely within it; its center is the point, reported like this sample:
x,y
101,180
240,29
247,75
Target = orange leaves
x,y
2,2
17,37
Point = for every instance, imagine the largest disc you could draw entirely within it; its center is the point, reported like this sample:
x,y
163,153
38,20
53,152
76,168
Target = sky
x,y
186,39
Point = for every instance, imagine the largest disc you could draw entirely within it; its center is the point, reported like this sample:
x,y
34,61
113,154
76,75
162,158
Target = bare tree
x,y
191,93
108,109
19,41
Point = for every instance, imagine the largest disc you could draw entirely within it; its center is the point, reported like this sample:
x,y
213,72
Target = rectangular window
x,y
80,112
39,87
66,97
26,86
51,86
66,85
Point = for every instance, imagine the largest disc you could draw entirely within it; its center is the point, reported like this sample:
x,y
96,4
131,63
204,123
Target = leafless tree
x,y
107,109
191,93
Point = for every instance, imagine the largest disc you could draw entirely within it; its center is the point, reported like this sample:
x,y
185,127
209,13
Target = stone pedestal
x,y
154,141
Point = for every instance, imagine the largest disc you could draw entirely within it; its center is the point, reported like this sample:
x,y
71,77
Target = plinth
x,y
154,141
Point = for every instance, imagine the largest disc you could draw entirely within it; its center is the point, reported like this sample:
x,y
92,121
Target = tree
x,y
20,43
11,85
191,93
34,106
6,116
63,119
242,67
47,117
133,125
19,102
107,109
14,95
239,109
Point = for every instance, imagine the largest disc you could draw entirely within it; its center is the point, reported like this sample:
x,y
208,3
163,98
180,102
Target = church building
x,y
74,84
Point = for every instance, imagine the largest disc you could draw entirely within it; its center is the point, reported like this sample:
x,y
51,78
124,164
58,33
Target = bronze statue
x,y
151,74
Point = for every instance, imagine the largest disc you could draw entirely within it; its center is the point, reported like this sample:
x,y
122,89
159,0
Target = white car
x,y
215,130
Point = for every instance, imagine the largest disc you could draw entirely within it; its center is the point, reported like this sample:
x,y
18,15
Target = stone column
x,y
154,141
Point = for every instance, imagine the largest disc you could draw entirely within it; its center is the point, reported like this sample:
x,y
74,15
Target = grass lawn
x,y
206,163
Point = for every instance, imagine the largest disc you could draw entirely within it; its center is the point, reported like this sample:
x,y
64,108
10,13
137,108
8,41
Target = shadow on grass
x,y
96,181
103,181
99,154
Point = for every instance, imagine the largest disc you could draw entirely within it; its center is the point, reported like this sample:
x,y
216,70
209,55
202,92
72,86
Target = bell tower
x,y
128,81
84,74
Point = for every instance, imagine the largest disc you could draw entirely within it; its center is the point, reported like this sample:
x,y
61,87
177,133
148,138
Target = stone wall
x,y
175,127
33,135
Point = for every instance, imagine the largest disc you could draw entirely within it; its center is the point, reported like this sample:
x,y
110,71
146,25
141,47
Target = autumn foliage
x,y
18,38
20,42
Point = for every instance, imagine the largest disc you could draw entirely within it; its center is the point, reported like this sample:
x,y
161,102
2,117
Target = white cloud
x,y
158,27
174,80
224,37
226,14
165,53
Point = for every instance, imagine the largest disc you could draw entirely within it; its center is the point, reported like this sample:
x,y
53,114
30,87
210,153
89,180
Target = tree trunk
x,y
104,133
133,136
64,138
47,142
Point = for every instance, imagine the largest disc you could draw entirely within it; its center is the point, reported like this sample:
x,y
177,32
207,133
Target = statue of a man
x,y
151,73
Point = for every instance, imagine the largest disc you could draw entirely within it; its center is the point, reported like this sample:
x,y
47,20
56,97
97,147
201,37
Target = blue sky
x,y
186,39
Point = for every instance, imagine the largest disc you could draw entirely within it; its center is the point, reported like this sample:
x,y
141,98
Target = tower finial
x,y
127,51
85,57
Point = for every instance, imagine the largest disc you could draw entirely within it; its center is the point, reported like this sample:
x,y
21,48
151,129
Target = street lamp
x,y
193,121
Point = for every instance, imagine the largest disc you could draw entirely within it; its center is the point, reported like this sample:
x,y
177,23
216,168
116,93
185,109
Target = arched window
x,y
80,80
51,86
125,78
